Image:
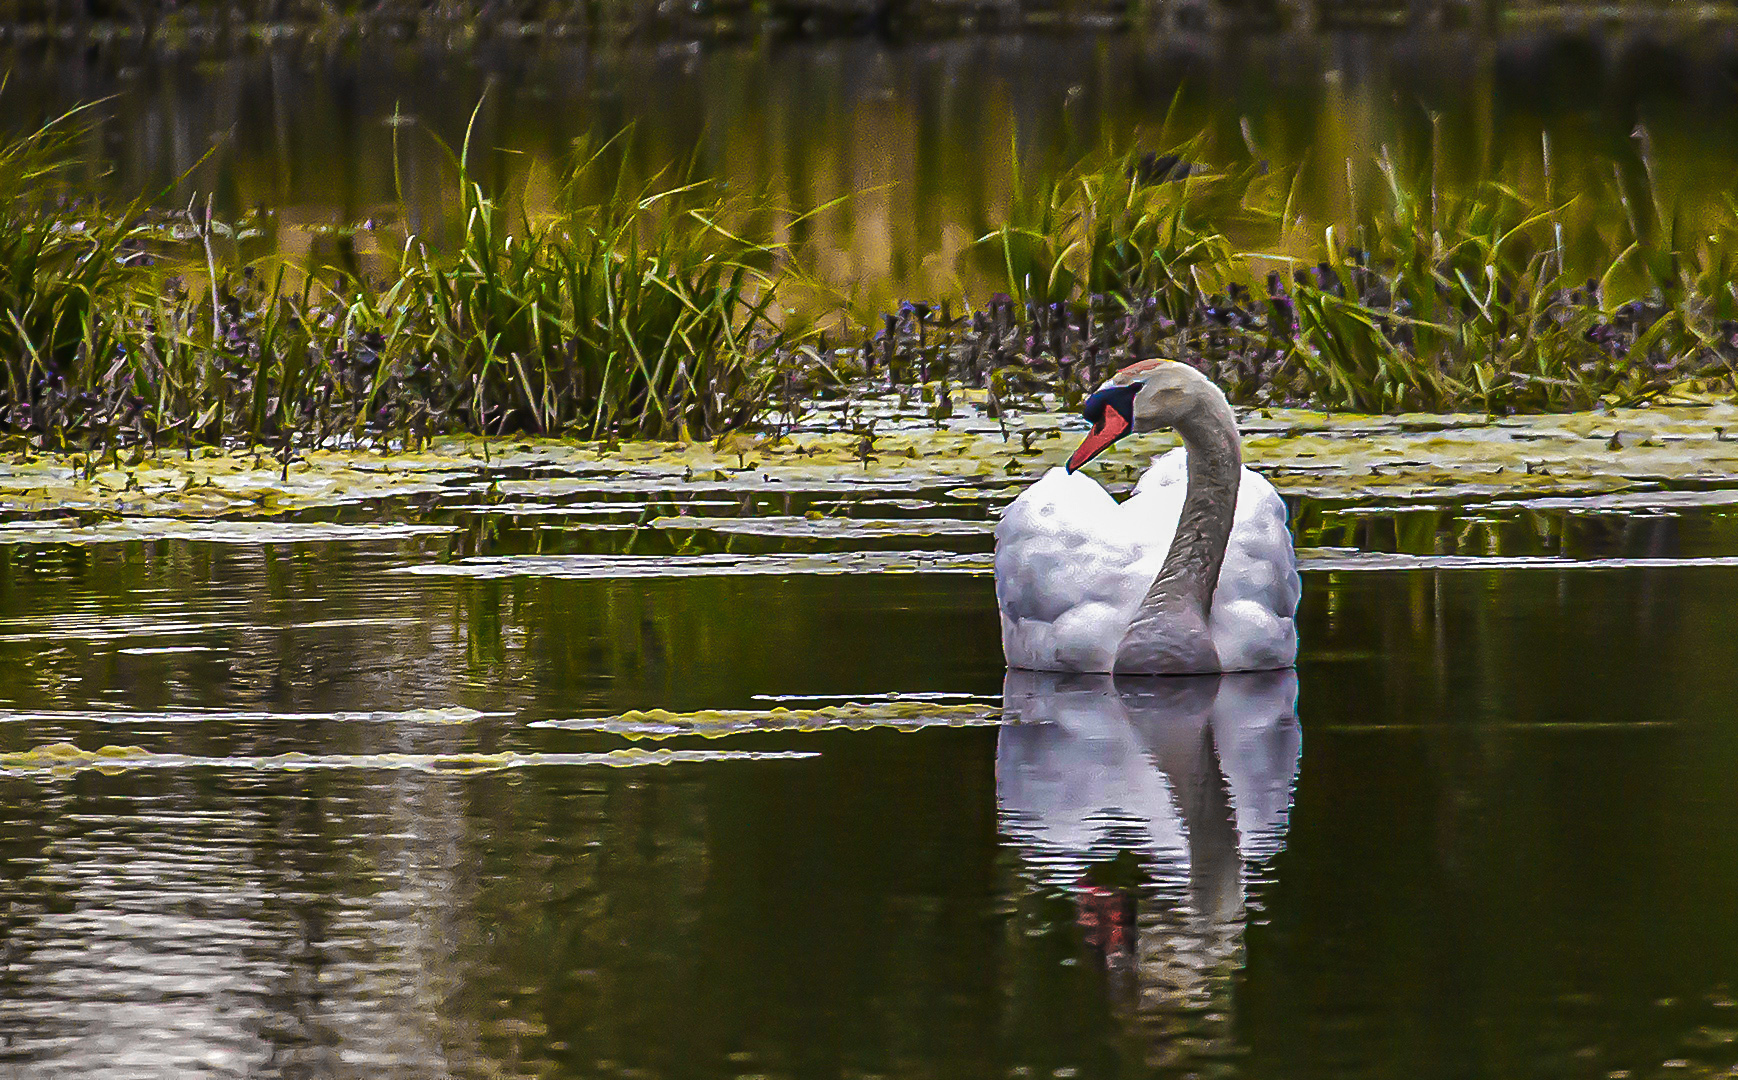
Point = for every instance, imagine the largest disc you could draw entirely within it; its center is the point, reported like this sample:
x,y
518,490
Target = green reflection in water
x,y
1509,855
1510,851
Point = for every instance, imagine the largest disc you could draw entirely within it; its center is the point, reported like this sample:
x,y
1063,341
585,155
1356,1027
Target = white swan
x,y
1193,573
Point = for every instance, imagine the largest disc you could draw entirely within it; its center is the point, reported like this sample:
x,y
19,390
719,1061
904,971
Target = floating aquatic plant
x,y
905,715
63,758
965,463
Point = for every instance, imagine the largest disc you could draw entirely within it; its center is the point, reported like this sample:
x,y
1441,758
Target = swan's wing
x,y
1071,566
1262,544
1256,601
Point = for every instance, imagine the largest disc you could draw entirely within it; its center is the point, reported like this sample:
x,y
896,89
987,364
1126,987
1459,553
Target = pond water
x,y
1484,830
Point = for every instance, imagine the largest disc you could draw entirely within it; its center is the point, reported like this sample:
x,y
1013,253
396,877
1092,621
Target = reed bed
x,y
638,314
1432,300
657,310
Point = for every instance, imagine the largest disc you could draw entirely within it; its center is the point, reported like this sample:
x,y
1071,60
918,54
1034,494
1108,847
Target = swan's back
x,y
1072,566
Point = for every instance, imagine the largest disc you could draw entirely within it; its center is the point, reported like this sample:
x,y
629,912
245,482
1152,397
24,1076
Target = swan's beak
x,y
1113,426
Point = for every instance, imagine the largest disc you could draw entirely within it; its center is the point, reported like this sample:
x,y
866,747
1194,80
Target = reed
x,y
641,314
655,309
1432,299
63,261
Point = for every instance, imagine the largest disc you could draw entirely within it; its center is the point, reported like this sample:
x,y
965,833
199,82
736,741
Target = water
x,y
1484,830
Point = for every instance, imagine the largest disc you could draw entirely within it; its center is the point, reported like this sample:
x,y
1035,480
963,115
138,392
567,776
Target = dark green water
x,y
1496,839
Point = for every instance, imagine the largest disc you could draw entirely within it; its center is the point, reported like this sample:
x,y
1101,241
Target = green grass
x,y
656,309
1434,299
640,313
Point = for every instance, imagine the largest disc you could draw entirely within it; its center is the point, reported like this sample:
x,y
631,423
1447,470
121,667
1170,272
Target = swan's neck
x,y
1169,631
1191,570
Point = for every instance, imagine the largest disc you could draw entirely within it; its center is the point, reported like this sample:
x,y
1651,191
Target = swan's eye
x,y
1120,397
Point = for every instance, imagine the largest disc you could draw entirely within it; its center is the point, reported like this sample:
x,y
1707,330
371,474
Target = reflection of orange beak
x,y
1113,427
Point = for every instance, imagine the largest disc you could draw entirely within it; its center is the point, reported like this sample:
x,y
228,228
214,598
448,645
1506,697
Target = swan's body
x,y
1087,584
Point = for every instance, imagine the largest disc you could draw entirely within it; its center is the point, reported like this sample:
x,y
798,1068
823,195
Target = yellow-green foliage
x,y
653,310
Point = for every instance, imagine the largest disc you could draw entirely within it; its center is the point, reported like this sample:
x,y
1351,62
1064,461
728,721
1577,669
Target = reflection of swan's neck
x,y
1172,619
1187,956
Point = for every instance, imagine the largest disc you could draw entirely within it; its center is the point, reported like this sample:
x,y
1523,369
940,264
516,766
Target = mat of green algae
x,y
908,715
61,758
1303,453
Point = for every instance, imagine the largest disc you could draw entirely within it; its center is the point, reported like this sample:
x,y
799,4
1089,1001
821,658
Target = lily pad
x,y
624,567
217,532
446,714
1392,458
829,527
1376,560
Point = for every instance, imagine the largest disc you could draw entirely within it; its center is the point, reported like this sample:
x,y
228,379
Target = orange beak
x,y
1112,427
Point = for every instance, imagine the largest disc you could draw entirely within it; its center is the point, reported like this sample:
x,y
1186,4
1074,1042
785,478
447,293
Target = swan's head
x,y
1147,396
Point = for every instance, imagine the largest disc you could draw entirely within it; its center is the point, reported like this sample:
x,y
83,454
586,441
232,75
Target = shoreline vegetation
x,y
681,309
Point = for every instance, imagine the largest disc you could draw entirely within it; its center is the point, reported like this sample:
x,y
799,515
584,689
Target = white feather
x,y
1073,564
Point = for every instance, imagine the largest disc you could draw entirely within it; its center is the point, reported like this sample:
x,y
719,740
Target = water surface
x,y
1484,829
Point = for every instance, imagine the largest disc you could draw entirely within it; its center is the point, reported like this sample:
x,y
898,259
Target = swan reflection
x,y
1192,778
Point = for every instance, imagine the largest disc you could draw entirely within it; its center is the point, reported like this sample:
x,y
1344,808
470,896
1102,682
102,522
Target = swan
x,y
1192,574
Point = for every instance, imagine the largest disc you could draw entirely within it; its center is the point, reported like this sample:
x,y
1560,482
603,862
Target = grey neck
x,y
1191,570
1169,631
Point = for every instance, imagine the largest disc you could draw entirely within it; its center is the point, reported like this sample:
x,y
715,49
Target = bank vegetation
x,y
680,308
